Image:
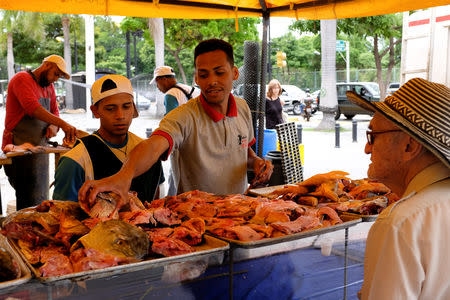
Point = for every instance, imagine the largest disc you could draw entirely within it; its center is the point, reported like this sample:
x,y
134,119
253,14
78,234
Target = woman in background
x,y
274,106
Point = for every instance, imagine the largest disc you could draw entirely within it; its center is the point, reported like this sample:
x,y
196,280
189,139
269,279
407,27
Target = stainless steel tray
x,y
210,248
25,273
348,222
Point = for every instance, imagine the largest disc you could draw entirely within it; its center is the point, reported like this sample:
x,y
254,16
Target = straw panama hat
x,y
60,63
109,85
421,108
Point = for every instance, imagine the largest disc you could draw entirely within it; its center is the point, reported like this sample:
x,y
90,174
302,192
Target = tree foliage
x,y
380,35
110,40
182,35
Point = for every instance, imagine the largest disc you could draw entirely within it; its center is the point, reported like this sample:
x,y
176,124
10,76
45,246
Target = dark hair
x,y
212,45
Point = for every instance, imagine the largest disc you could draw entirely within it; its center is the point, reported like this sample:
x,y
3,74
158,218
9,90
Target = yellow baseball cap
x,y
60,63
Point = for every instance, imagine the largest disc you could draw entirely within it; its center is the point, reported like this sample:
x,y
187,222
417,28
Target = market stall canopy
x,y
223,9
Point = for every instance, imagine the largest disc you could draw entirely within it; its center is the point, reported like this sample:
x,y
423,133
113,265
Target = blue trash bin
x,y
270,141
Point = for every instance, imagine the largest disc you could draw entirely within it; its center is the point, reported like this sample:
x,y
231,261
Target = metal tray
x,y
211,248
25,273
348,222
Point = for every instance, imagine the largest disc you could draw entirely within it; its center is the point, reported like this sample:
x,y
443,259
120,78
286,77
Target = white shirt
x,y
408,246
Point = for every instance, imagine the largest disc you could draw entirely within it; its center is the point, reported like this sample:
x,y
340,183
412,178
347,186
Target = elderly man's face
x,y
384,150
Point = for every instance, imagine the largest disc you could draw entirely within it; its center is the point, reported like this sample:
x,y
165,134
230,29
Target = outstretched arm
x,y
142,158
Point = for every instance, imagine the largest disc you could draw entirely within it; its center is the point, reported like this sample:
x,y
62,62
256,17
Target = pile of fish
x,y
62,237
245,218
59,237
336,190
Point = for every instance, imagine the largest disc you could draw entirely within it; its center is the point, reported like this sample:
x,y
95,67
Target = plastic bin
x,y
270,141
277,177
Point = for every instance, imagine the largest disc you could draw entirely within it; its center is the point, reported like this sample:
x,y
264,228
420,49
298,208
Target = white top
x,y
408,246
213,148
181,97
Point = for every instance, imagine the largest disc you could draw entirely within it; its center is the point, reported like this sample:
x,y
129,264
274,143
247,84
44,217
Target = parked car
x,y
239,90
293,97
368,90
142,103
392,88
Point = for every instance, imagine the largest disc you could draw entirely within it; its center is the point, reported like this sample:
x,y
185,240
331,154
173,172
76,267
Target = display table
x,y
296,274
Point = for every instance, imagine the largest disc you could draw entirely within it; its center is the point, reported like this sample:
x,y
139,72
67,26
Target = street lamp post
x,y
137,33
128,55
75,49
347,61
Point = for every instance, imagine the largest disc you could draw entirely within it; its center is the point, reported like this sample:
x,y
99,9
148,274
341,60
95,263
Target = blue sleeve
x,y
69,177
170,102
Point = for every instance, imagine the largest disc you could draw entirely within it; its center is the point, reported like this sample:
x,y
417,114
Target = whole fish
x,y
117,238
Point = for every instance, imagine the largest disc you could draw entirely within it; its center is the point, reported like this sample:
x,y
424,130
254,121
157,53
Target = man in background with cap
x,y
176,94
409,144
32,116
102,153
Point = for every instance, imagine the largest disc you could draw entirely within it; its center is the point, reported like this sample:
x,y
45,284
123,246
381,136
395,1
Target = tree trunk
x,y
10,56
68,58
383,83
328,95
156,27
180,66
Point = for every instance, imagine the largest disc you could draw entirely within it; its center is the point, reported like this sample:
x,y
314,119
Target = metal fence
x,y
312,80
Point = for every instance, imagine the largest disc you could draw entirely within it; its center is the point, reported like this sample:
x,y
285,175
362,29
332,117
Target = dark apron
x,y
105,163
29,174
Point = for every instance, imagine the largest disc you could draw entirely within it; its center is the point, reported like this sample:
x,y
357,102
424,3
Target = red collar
x,y
216,116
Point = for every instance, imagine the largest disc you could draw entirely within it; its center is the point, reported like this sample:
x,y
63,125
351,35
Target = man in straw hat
x,y
32,116
409,144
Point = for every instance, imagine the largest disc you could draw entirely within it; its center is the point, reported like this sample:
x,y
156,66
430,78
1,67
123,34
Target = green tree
x,y
16,23
110,45
381,35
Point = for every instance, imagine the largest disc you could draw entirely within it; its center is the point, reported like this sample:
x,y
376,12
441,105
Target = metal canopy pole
x,y
262,86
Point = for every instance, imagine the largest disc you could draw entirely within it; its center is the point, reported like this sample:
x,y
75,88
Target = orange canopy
x,y
222,9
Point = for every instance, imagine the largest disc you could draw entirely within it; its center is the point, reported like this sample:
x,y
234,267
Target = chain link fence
x,y
312,80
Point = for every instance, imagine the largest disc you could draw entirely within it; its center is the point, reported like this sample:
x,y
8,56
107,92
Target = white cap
x,y
109,85
60,63
162,71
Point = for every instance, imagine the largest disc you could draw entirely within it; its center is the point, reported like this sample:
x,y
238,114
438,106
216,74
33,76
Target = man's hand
x,y
115,183
70,133
263,169
51,131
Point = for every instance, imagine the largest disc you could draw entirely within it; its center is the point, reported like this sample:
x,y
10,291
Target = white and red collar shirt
x,y
213,148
